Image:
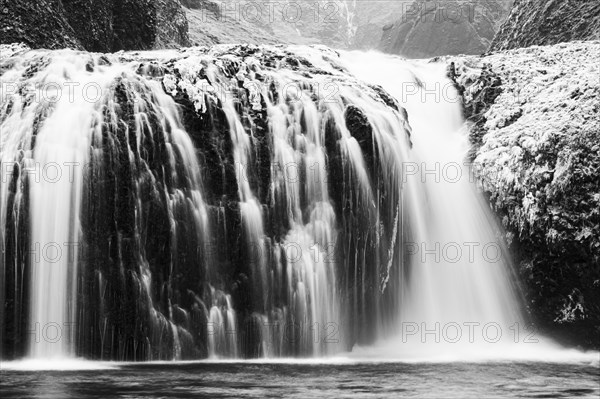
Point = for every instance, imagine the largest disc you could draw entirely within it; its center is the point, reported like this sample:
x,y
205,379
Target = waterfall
x,y
237,201
76,118
458,273
55,206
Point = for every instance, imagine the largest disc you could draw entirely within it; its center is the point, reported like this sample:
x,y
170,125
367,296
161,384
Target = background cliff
x,y
542,22
411,28
291,22
450,27
535,129
95,25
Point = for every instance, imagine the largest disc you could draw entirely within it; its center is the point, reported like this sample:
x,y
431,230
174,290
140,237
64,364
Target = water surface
x,y
308,380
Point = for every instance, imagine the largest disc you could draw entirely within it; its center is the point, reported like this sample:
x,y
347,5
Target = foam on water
x,y
543,351
59,364
381,353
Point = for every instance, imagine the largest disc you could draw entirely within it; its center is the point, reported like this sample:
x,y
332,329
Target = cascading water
x,y
458,296
237,201
77,131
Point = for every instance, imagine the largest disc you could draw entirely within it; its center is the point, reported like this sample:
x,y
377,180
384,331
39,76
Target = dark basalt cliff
x,y
543,22
430,28
94,25
536,131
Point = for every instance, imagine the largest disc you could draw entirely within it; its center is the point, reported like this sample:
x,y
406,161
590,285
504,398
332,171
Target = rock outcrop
x,y
94,25
536,133
544,22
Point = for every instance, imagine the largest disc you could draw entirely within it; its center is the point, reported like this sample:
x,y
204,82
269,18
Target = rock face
x,y
172,25
368,21
209,25
451,27
536,136
543,22
91,22
37,23
95,25
216,22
